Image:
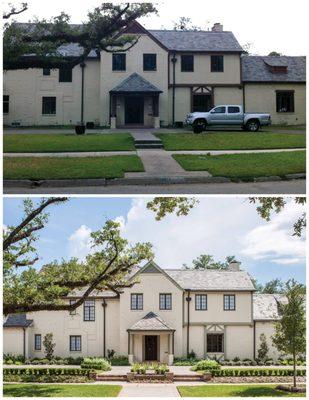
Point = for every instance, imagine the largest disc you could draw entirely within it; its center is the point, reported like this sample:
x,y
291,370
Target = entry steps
x,y
110,377
148,144
177,377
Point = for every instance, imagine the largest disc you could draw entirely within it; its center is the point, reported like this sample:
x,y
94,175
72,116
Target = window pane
x,y
65,75
285,101
150,62
89,310
6,100
201,102
187,63
46,71
216,63
74,311
233,110
37,342
215,343
119,62
49,105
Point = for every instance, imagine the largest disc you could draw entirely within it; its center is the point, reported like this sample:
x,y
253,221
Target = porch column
x,y
155,111
130,348
171,348
113,107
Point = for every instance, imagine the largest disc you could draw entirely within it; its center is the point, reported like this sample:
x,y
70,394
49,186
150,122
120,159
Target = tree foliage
x,y
263,349
185,24
267,205
38,45
162,206
274,286
275,54
49,346
107,267
206,261
290,330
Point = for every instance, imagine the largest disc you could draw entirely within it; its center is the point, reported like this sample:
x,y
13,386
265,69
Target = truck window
x,y
233,110
219,110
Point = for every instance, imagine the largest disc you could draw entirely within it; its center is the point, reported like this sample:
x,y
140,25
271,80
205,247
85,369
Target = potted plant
x,y
80,128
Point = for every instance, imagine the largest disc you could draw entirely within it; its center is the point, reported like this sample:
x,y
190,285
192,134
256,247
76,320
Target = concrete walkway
x,y
149,390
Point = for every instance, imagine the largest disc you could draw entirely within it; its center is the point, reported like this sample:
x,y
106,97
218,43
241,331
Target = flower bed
x,y
257,379
139,373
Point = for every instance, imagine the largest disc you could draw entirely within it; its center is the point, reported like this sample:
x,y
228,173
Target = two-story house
x,y
157,82
167,313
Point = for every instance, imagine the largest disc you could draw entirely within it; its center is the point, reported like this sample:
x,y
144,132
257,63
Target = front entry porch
x,y
155,344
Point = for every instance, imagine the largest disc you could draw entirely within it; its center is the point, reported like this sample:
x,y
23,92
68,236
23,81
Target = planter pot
x,y
80,129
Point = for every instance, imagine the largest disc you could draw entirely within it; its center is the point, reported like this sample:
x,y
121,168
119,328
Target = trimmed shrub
x,y
139,368
206,365
46,371
257,372
96,363
161,369
119,360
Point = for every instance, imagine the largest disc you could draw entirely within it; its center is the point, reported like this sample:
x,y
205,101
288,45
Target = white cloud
x,y
274,241
80,242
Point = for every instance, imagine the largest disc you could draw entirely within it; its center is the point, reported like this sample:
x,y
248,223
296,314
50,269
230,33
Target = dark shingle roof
x,y
256,69
17,320
197,40
135,83
151,322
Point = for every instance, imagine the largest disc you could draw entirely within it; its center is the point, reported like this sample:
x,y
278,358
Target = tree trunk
x,y
294,370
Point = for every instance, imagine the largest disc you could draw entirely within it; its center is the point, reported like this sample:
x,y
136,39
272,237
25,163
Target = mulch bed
x,y
257,379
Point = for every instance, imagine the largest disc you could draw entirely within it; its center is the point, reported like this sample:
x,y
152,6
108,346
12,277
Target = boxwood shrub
x,y
257,372
206,365
96,363
47,371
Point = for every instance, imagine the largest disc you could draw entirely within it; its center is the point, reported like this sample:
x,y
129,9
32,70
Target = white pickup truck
x,y
228,115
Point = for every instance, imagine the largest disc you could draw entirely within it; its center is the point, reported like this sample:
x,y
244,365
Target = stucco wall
x,y
239,342
262,98
134,63
27,87
13,342
268,328
202,73
228,95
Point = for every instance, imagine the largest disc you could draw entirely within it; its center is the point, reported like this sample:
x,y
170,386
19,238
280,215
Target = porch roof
x,y
151,322
135,83
17,321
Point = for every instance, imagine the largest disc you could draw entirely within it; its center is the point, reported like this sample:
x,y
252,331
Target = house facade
x,y
157,82
167,313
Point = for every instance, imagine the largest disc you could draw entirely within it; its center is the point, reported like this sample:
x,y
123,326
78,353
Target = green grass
x,y
245,166
234,391
37,168
44,143
231,141
41,390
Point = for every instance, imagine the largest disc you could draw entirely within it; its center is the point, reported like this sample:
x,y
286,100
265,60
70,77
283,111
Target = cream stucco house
x,y
167,313
166,75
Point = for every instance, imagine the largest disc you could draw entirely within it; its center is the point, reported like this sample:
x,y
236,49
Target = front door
x,y
134,110
151,348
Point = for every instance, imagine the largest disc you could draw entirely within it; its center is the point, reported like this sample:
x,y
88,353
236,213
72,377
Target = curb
x,y
168,180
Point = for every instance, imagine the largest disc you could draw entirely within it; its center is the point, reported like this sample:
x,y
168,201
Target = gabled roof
x,y
265,306
135,83
211,279
151,322
256,69
17,321
197,40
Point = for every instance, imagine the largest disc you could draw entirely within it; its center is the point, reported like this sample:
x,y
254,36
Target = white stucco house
x,y
161,79
167,313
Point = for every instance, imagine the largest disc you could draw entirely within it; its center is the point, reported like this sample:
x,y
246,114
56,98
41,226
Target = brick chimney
x,y
234,266
217,27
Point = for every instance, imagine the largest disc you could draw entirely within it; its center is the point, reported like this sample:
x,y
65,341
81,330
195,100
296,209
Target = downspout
x,y
82,65
254,340
174,60
188,323
24,343
104,305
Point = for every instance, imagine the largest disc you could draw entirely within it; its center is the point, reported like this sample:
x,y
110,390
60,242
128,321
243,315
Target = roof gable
x,y
150,322
135,83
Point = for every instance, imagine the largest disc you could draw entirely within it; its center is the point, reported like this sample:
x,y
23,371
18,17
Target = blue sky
x,y
217,225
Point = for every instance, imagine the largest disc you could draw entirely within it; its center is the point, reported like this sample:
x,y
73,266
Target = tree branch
x,y
15,12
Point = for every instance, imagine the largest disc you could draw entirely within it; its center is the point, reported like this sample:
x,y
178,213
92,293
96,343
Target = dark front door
x,y
134,110
151,348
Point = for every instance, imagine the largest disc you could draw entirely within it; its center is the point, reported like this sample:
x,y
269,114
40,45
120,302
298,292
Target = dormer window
x,y
276,65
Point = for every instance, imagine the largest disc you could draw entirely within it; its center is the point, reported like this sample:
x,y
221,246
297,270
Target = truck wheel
x,y
199,126
253,125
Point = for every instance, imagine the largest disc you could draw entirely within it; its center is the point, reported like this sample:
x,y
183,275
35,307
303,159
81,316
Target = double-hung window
x,y
119,62
136,301
76,343
285,101
73,312
201,302
165,301
187,63
150,62
229,302
49,105
217,64
6,104
65,75
89,310
37,342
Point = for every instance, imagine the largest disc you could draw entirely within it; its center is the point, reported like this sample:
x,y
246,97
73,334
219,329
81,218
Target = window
x,y
65,75
201,102
229,302
150,62
37,342
46,71
75,343
119,62
6,104
136,301
233,110
216,63
187,63
89,310
165,301
285,101
49,105
218,110
201,302
215,343
74,311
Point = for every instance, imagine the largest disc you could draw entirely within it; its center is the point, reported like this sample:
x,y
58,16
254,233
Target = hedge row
x,y
46,371
258,372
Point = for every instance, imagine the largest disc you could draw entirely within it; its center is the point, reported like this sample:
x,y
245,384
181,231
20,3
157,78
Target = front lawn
x,y
38,168
234,391
231,141
38,390
44,143
245,166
